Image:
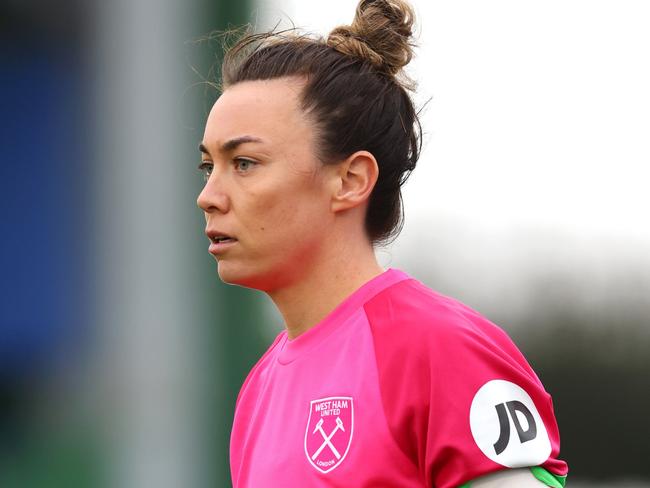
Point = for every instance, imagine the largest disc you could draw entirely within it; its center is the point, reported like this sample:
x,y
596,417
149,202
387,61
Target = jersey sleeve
x,y
459,398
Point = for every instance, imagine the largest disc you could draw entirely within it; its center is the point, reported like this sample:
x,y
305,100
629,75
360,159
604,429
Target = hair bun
x,y
380,33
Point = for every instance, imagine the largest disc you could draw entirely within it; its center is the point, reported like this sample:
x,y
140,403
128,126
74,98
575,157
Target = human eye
x,y
243,164
206,168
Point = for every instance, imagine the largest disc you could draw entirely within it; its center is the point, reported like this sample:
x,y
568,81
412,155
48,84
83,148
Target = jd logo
x,y
513,407
503,411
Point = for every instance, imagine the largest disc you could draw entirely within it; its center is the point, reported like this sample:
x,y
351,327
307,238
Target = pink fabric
x,y
378,394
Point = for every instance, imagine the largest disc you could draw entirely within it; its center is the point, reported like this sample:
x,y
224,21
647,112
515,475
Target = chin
x,y
246,276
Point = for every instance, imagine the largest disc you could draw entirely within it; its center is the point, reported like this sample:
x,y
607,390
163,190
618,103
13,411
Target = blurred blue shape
x,y
42,251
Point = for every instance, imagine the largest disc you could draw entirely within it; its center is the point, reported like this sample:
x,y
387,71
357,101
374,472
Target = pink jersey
x,y
398,386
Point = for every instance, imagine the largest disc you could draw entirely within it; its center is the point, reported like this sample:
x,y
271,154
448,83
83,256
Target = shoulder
x,y
438,344
409,316
449,380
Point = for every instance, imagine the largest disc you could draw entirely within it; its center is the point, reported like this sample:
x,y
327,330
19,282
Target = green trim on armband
x,y
541,474
548,478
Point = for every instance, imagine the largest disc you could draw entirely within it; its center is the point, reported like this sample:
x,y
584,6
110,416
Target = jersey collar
x,y
289,350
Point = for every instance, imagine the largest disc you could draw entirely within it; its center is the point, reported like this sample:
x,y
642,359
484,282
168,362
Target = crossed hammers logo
x,y
327,439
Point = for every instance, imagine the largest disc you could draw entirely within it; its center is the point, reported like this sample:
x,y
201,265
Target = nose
x,y
213,198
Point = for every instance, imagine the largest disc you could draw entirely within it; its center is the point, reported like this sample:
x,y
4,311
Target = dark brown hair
x,y
355,91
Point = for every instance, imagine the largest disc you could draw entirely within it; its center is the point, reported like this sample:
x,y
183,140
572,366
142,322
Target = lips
x,y
217,236
219,240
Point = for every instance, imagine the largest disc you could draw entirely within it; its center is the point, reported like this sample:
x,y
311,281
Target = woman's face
x,y
266,188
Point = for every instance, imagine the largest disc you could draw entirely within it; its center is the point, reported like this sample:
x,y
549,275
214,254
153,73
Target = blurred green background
x,y
121,352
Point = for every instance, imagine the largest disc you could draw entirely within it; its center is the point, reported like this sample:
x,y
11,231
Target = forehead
x,y
269,109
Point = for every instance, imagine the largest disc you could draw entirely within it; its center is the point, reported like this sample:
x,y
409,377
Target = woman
x,y
377,380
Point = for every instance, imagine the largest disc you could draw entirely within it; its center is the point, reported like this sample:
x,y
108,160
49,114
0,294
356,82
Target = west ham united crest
x,y
329,432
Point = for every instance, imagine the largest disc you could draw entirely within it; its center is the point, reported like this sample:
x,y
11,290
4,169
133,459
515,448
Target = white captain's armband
x,y
508,478
507,427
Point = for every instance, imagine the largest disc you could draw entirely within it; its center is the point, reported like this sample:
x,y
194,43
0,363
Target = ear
x,y
355,178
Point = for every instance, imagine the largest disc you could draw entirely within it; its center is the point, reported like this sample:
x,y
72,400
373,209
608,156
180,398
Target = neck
x,y
325,284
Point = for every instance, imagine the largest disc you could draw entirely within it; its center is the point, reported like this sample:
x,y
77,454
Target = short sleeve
x,y
459,398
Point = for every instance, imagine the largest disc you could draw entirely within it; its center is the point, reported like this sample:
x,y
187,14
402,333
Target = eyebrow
x,y
231,144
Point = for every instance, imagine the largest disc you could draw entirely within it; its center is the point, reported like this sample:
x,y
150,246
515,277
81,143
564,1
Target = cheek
x,y
292,214
267,216
276,218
